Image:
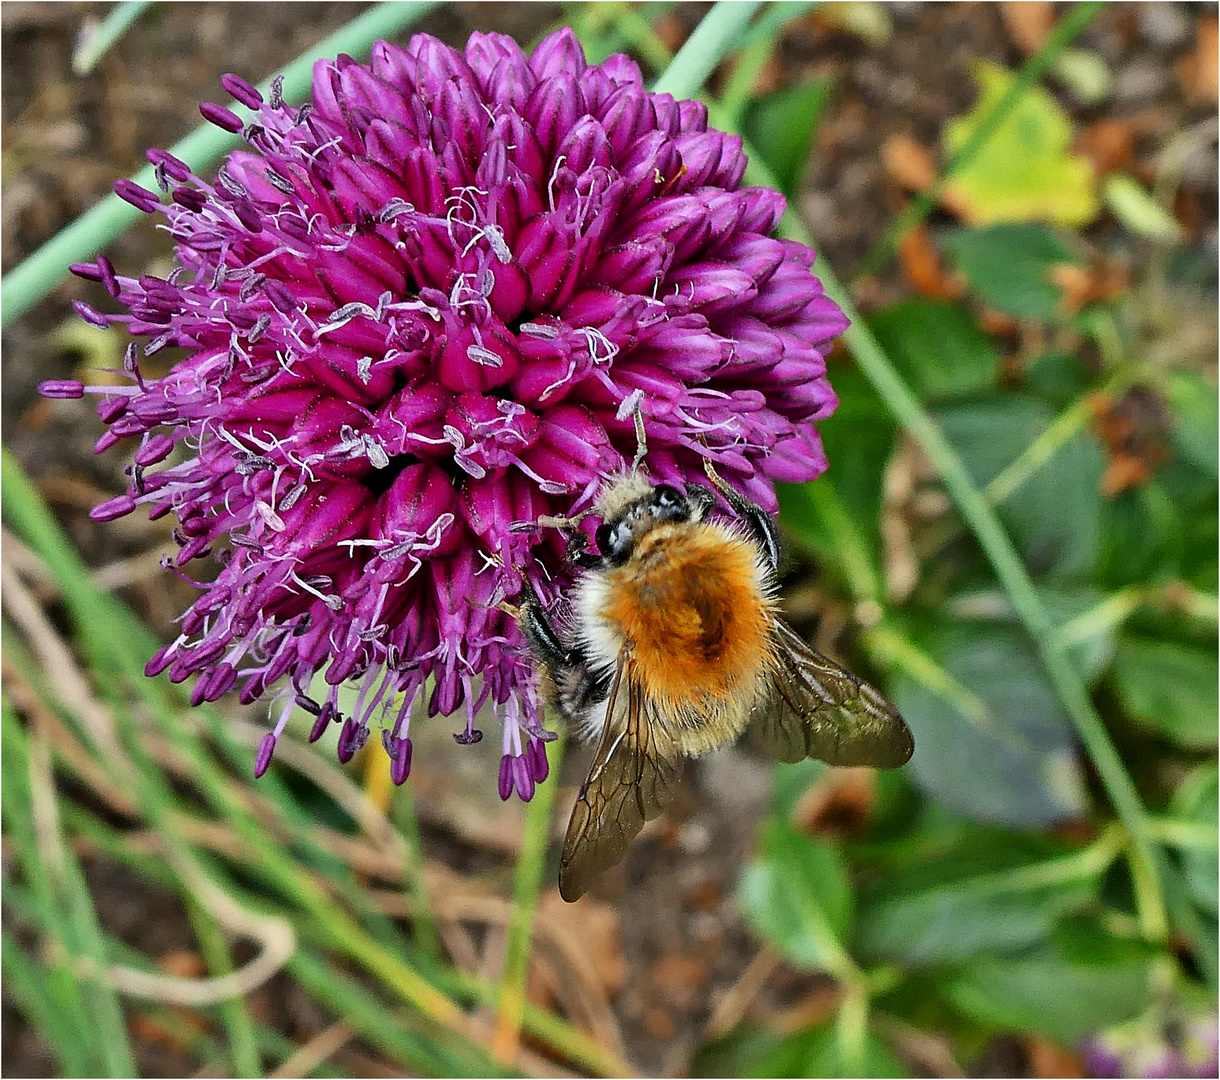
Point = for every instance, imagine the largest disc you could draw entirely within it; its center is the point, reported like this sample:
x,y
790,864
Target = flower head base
x,y
417,311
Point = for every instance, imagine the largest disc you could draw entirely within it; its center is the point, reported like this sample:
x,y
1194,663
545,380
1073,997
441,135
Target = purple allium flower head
x,y
419,310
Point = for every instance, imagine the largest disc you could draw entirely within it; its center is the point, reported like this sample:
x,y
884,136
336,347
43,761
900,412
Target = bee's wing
x,y
627,785
814,708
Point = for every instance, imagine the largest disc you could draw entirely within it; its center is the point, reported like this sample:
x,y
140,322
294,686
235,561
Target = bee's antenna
x,y
631,404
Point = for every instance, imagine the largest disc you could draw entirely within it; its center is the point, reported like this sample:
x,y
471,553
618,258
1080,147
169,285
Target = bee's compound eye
x,y
602,536
670,503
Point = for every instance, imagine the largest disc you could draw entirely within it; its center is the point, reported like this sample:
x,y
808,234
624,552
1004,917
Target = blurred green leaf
x,y
938,347
1091,646
1009,267
1172,686
782,128
1142,537
1026,170
1196,800
1196,411
971,900
736,1053
1085,74
1137,210
1058,378
1019,769
797,896
1055,515
1079,983
818,1051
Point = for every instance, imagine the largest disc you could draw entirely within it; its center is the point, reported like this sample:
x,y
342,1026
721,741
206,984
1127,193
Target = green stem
x,y
111,28
1056,435
1035,67
27,283
715,37
531,866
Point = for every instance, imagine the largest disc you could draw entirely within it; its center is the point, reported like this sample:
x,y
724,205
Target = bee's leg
x,y
542,638
757,520
579,555
702,500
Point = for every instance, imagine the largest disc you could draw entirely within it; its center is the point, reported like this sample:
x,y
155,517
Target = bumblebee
x,y
676,648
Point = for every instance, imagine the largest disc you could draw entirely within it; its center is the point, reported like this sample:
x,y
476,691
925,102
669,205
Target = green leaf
x,y
1020,766
971,899
818,1051
1058,378
782,128
1196,800
1142,534
798,897
1009,267
1055,515
1196,409
735,1054
938,347
1079,983
1026,170
1137,210
1172,686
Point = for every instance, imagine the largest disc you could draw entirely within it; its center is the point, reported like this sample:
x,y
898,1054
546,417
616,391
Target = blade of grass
x,y
717,34
39,903
28,984
69,913
423,921
28,282
531,865
108,31
1065,32
235,1012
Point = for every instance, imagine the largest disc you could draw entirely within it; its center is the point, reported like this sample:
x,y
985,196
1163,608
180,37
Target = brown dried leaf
x,y
1199,70
1029,23
908,163
596,927
1107,144
922,268
838,805
1048,1060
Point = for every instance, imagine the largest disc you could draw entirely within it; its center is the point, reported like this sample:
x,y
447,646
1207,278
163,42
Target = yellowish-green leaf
x,y
1026,170
1131,203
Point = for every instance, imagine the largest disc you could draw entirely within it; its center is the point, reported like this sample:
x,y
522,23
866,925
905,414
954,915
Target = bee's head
x,y
627,522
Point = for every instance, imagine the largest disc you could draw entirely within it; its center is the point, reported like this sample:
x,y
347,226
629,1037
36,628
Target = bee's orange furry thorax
x,y
690,605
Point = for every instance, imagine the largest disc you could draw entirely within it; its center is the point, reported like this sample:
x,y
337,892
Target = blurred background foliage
x,y
1017,539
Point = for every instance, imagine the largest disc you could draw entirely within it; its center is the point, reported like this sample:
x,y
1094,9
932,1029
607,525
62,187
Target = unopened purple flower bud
x,y
399,751
118,507
139,197
540,768
191,198
351,739
220,116
238,88
522,778
61,388
159,661
265,749
156,448
506,776
173,166
90,314
320,724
